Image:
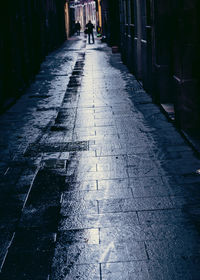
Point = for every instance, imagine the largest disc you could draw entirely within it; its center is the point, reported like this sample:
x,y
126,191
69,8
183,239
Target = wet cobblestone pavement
x,y
95,182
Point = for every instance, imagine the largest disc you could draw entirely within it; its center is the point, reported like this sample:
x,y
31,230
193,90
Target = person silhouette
x,y
78,28
90,33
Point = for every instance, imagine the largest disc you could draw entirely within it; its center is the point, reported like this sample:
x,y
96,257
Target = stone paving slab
x,y
95,182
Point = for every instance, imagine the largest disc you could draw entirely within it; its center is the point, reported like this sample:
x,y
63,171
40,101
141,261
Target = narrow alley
x,y
96,183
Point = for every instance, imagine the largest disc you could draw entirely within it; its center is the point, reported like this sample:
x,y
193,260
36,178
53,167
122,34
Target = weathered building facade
x,y
67,19
160,43
28,31
98,16
108,11
85,10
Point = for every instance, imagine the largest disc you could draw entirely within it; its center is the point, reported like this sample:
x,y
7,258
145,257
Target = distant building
x,y
85,10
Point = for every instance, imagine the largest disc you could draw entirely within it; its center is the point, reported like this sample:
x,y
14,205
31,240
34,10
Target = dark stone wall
x,y
160,43
186,61
111,21
162,29
28,31
72,21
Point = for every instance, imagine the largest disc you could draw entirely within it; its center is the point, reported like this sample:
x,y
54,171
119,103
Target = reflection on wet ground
x,y
95,182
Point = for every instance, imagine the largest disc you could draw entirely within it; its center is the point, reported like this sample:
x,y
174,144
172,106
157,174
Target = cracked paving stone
x,y
145,232
88,236
73,271
165,217
99,175
137,204
102,220
98,194
172,250
136,270
78,206
56,147
80,185
82,253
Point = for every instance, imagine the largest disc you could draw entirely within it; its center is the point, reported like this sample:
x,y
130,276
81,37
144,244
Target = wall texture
x,y
28,31
110,21
160,43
